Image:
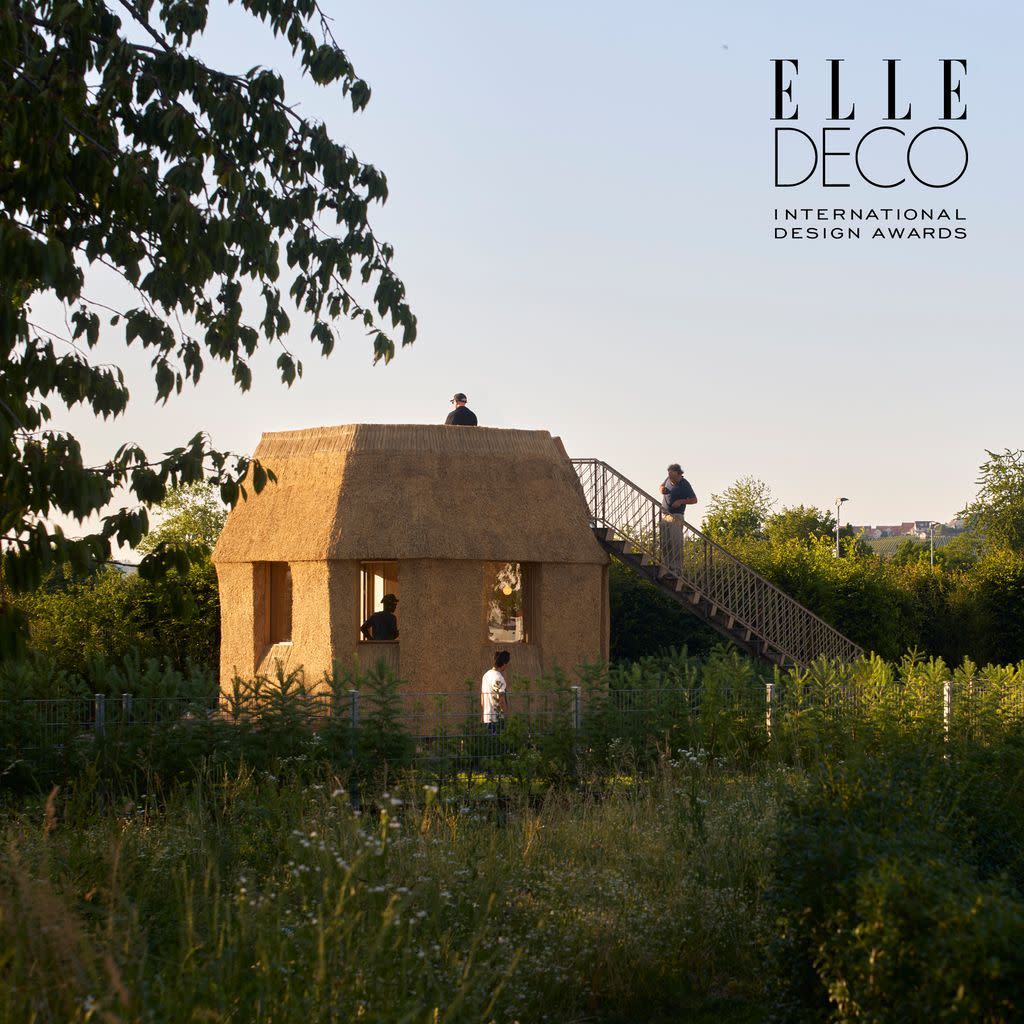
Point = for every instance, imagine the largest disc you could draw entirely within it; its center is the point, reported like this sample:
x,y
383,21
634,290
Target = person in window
x,y
382,626
461,415
493,694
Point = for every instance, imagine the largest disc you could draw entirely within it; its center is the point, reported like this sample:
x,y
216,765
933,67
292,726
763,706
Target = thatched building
x,y
480,533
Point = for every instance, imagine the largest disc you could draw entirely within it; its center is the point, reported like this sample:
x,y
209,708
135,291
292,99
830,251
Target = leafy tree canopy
x,y
193,516
120,148
740,511
997,513
802,523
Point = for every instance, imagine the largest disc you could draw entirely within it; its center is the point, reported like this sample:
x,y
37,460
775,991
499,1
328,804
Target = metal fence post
x,y
576,716
126,709
769,709
100,716
947,713
353,721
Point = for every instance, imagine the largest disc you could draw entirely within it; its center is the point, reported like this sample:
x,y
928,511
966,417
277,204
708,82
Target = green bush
x,y
90,622
646,622
882,909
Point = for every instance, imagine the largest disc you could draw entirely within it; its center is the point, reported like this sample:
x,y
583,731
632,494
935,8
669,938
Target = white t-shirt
x,y
491,687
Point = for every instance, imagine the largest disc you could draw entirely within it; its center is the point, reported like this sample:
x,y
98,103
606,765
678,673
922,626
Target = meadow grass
x,y
248,897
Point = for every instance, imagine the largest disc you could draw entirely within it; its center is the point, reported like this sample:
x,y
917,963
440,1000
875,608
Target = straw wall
x,y
440,501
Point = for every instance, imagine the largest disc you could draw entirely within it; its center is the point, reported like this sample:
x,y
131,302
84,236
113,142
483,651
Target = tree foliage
x,y
85,625
997,513
193,516
800,522
740,510
120,148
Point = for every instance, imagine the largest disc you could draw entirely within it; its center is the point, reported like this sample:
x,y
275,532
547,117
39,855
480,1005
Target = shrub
x,y
881,910
106,617
646,622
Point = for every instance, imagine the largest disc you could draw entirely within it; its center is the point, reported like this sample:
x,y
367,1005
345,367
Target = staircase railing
x,y
680,550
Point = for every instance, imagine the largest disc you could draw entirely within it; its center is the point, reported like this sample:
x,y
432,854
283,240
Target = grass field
x,y
862,860
698,892
253,898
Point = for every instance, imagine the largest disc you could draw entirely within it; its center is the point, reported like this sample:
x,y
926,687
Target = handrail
x,y
616,503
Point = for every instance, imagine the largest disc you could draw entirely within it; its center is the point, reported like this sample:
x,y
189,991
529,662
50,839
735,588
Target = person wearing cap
x,y
676,492
382,626
461,415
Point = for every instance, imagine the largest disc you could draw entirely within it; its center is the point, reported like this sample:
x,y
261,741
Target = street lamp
x,y
839,502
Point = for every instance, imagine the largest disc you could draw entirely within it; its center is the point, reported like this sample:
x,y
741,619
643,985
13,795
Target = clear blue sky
x,y
581,201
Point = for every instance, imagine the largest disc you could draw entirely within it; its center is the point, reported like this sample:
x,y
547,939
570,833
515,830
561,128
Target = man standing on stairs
x,y
677,492
676,495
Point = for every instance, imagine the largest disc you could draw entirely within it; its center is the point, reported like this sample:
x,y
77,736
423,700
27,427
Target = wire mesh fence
x,y
38,724
447,730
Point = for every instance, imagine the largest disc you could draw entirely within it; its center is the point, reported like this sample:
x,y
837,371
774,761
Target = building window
x,y
377,580
508,602
276,584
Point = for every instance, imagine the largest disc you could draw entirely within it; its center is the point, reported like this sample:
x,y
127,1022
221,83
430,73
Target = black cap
x,y
459,397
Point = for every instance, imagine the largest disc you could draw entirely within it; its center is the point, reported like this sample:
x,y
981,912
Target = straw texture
x,y
441,502
379,491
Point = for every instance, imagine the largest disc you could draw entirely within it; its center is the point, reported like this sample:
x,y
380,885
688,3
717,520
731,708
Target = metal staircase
x,y
701,575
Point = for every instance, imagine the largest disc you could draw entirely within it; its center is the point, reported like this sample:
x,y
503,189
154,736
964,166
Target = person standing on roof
x,y
461,415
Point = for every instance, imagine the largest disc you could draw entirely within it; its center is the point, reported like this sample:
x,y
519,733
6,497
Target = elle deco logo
x,y
881,148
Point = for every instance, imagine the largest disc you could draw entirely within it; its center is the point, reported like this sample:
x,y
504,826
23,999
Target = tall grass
x,y
249,897
562,727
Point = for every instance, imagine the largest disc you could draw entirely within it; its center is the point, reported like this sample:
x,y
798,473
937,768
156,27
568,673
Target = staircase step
x,y
723,570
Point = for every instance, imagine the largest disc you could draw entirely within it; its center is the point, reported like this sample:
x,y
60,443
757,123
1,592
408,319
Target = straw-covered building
x,y
481,534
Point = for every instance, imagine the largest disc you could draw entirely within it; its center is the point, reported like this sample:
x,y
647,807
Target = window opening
x,y
279,602
508,598
378,580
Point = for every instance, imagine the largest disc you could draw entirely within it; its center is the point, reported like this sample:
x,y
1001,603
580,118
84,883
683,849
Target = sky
x,y
581,201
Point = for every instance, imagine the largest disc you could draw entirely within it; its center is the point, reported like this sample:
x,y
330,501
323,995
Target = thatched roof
x,y
369,491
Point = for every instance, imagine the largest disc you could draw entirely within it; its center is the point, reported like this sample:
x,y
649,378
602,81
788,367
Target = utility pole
x,y
931,543
839,502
